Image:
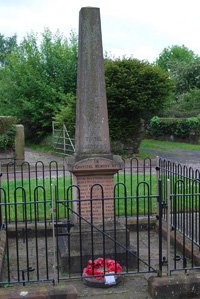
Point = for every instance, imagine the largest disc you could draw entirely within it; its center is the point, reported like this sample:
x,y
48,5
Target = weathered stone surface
x,y
176,286
92,131
44,292
93,162
19,144
95,165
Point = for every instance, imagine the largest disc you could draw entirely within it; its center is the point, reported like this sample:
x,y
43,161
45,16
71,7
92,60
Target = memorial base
x,y
100,283
76,249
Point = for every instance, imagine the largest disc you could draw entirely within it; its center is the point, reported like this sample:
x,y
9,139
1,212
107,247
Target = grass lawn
x,y
32,199
167,145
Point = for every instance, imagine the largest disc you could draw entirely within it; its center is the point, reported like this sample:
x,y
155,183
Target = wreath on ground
x,y
96,270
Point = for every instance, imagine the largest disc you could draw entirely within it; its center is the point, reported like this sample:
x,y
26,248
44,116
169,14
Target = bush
x,y
183,128
7,132
136,90
36,80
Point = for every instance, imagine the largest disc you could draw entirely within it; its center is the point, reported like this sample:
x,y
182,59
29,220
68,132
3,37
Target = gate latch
x,y
65,228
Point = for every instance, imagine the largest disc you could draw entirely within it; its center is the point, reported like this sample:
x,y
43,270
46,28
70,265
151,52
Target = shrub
x,y
136,90
7,132
183,128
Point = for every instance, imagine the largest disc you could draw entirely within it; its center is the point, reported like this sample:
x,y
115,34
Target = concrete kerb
x,y
41,292
179,285
174,286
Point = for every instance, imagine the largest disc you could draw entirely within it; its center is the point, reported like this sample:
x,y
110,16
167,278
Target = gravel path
x,y
189,158
32,156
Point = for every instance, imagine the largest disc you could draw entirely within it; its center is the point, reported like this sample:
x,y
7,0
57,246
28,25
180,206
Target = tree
x,y
173,56
135,90
37,78
187,92
7,44
184,69
188,76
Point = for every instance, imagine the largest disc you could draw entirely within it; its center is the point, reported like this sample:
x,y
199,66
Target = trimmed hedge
x,y
7,132
183,128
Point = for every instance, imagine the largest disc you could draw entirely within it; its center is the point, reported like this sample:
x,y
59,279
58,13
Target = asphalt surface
x,y
187,157
178,155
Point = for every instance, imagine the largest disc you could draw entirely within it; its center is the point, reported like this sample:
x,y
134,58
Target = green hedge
x,y
7,132
183,128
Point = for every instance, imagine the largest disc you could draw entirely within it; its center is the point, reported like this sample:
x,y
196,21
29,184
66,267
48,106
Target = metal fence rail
x,y
150,201
42,181
36,243
36,203
181,185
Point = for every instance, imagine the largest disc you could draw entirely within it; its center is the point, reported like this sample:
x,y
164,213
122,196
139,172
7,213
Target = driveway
x,y
178,155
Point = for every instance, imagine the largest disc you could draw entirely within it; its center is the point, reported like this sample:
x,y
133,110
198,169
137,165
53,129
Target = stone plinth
x,y
95,179
111,243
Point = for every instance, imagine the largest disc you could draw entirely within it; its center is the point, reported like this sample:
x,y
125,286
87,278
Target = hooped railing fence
x,y
153,203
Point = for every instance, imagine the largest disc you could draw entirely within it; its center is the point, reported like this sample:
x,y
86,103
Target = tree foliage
x,y
171,57
38,84
37,78
135,90
7,45
184,69
188,77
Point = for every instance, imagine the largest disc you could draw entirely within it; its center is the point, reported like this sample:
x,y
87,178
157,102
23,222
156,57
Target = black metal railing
x,y
40,226
36,211
57,248
34,182
181,185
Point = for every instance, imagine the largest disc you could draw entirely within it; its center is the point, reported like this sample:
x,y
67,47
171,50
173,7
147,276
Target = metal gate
x,y
122,238
63,141
181,210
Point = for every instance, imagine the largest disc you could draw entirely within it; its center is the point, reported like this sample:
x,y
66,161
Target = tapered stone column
x,y
93,162
93,165
92,131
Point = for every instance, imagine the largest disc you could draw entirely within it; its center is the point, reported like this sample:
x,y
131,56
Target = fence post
x,y
53,133
53,213
160,226
168,227
157,180
1,222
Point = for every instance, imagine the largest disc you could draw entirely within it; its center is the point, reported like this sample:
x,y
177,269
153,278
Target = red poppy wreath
x,y
97,268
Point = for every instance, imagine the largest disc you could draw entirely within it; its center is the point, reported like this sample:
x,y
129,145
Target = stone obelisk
x,y
92,131
93,162
93,166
